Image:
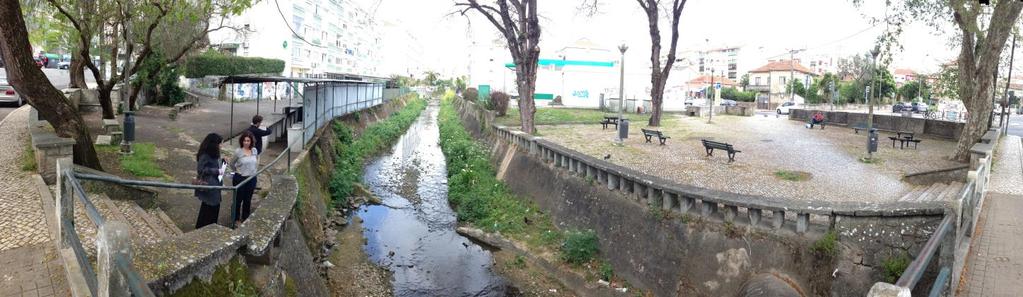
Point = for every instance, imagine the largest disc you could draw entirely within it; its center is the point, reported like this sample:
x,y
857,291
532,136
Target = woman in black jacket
x,y
210,170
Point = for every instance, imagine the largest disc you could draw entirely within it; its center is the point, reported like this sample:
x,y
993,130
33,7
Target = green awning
x,y
556,62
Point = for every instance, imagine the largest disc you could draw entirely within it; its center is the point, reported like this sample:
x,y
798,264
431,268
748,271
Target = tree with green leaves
x,y
744,81
909,91
32,84
982,32
823,86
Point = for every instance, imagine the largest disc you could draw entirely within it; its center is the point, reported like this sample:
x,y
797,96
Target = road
x,y
59,78
1016,125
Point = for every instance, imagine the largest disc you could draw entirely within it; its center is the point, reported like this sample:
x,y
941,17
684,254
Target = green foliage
x,y
657,213
580,247
352,151
213,63
499,103
910,91
734,94
948,83
142,162
431,78
160,80
228,280
894,267
850,92
744,81
551,116
606,272
471,94
475,193
401,81
792,175
28,158
519,262
827,245
885,83
823,86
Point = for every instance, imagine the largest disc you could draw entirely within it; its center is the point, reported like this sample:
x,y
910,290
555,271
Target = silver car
x,y
7,93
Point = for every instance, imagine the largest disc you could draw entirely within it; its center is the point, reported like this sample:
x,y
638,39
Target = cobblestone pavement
x,y
995,264
32,271
29,265
768,145
21,210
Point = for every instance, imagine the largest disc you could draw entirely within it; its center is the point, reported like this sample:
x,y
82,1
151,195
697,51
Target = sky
x,y
828,27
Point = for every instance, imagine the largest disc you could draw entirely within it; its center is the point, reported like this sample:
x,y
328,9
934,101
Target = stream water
x,y
413,233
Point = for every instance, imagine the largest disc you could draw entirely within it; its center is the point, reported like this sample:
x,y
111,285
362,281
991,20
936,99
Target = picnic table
x,y
610,120
904,138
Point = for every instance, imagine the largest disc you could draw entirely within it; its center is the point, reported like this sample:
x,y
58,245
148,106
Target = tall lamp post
x,y
621,92
871,134
710,106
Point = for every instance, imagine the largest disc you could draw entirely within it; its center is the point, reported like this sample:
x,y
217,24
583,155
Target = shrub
x,y
827,245
500,102
471,94
894,266
606,272
213,63
579,247
28,158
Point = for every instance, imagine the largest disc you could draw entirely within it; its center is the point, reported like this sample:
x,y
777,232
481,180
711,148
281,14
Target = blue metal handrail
x,y
911,276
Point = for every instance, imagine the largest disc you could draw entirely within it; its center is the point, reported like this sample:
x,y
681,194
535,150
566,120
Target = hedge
x,y
218,65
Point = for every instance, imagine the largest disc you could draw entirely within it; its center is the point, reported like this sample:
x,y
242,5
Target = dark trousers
x,y
816,122
207,215
244,202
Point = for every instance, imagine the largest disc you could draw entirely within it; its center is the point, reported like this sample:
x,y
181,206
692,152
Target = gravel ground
x,y
768,145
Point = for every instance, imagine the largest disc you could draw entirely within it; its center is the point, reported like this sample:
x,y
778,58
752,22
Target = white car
x,y
784,107
7,93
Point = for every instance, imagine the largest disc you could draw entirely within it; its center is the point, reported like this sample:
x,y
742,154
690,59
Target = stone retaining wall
x,y
47,146
649,261
890,123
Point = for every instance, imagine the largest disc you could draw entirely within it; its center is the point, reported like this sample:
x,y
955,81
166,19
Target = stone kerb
x,y
891,123
48,147
668,195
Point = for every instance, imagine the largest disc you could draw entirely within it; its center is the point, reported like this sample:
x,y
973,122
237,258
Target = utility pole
x,y
621,93
831,85
871,134
710,107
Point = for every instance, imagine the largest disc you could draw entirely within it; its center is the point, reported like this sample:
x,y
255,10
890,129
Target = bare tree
x,y
517,21
658,75
32,84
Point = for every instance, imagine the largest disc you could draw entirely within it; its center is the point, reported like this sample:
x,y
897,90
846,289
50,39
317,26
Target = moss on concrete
x,y
228,280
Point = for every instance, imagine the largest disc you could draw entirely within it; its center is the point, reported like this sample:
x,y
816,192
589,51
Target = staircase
x,y
934,192
147,226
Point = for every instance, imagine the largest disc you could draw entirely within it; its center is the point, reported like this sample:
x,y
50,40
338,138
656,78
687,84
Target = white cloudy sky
x,y
832,27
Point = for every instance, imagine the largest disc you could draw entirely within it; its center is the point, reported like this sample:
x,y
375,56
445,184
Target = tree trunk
x,y
77,72
978,59
31,83
105,101
526,81
656,102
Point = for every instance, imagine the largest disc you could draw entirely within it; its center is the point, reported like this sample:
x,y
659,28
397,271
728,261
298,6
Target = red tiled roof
x,y
705,79
783,65
904,72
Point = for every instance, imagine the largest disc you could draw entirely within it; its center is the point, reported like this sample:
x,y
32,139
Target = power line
x,y
288,24
828,43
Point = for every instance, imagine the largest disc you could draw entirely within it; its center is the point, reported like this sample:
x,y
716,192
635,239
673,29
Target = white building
x,y
770,81
312,36
403,51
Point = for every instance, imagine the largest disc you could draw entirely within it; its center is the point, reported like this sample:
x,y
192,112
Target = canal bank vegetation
x,y
482,201
352,150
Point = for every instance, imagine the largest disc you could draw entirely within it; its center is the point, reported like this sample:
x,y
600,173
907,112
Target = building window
x,y
782,81
757,80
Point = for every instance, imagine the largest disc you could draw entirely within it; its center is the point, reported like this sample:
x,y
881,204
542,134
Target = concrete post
x,y
778,219
114,240
888,290
612,180
623,185
730,212
667,200
708,208
295,136
65,200
754,216
686,204
591,173
638,191
653,198
802,222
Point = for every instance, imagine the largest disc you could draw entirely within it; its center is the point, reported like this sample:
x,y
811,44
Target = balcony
x,y
758,88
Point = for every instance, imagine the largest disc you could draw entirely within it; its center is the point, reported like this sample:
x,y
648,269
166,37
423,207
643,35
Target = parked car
x,y
919,107
784,107
899,107
64,65
727,102
7,93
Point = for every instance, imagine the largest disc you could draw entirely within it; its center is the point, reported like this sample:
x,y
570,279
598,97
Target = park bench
x,y
858,126
652,133
710,146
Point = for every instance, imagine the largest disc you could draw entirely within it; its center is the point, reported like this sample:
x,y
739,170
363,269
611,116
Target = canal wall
x,y
680,240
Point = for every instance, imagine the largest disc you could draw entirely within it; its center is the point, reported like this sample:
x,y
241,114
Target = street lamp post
x,y
870,105
710,106
621,92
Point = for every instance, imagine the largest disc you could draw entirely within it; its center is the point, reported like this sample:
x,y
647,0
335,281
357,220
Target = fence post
x,y
65,201
114,240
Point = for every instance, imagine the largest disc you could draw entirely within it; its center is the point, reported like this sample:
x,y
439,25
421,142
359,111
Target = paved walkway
x,y
995,263
769,145
29,265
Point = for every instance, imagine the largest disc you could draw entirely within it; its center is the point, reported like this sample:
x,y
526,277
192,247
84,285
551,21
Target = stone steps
x,y
934,192
147,226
